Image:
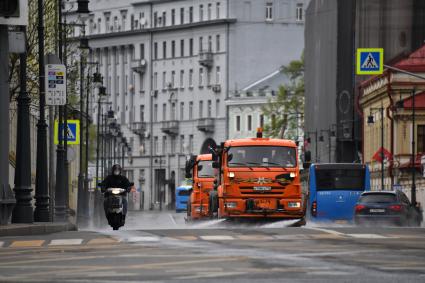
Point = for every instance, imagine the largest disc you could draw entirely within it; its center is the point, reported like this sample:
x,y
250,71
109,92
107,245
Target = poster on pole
x,y
55,84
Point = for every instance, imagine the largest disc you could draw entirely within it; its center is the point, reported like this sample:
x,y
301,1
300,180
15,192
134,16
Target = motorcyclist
x,y
116,180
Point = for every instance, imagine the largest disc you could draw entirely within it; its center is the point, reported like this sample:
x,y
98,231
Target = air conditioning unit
x,y
216,88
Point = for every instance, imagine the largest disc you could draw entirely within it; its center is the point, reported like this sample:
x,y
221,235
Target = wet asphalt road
x,y
160,247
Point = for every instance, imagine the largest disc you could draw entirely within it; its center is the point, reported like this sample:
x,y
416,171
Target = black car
x,y
389,207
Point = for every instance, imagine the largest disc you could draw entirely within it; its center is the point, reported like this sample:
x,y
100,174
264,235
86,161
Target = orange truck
x,y
200,169
259,178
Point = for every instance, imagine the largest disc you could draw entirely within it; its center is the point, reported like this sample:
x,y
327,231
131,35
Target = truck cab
x,y
200,169
259,178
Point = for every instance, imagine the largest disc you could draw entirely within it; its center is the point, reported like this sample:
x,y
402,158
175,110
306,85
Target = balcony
x,y
206,125
139,66
206,58
139,128
170,127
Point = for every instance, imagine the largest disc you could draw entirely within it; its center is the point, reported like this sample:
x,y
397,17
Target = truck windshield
x,y
262,156
205,169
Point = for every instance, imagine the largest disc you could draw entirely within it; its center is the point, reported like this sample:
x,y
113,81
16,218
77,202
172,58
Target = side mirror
x,y
229,157
216,165
215,182
188,175
131,184
200,167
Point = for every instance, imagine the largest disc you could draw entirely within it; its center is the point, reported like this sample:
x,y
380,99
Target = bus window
x,y
184,193
340,179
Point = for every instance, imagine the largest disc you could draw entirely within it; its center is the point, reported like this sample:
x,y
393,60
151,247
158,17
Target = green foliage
x,y
284,111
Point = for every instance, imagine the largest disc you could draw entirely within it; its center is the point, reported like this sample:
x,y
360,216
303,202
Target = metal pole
x,y
41,212
382,147
315,134
413,191
87,123
65,126
80,204
122,155
23,212
329,141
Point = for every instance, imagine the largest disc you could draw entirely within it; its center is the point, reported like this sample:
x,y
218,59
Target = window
x,y
164,144
217,107
201,109
181,78
209,11
107,19
217,43
164,80
190,143
155,81
190,110
155,113
173,17
181,111
155,50
173,111
421,138
201,77
209,109
164,18
217,74
164,49
182,48
173,78
155,19
269,11
164,112
210,43
173,49
123,21
262,120
181,16
217,10
99,22
191,78
299,12
201,12
142,113
155,144
201,39
182,144
142,51
191,47
173,145
262,156
340,179
115,23
208,77
238,123
190,14
249,123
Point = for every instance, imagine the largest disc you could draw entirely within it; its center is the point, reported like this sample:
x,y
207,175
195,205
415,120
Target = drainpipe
x,y
388,111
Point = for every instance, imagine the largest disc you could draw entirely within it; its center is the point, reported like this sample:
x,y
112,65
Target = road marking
x,y
172,219
326,236
290,237
210,275
102,241
65,242
27,244
255,237
216,238
333,232
367,236
141,239
186,238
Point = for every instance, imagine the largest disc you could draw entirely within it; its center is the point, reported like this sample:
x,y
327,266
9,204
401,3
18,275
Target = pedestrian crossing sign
x,y
73,132
370,61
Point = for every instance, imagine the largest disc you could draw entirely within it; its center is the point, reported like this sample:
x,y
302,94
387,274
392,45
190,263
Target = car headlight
x,y
295,204
230,204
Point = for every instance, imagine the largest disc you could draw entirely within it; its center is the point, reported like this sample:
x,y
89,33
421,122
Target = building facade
x,y
169,66
393,93
334,30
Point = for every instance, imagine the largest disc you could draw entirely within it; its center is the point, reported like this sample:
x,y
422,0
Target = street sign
x,y
73,132
370,61
55,84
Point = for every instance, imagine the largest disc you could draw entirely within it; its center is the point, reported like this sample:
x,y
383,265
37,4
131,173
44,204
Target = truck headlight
x,y
230,204
294,204
197,209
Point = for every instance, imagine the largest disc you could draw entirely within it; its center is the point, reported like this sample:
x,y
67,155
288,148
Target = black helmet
x,y
116,169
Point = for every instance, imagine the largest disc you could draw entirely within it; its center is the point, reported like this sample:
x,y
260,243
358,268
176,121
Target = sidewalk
x,y
39,228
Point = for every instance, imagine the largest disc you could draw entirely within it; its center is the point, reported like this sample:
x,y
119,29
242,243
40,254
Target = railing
x,y
206,125
170,127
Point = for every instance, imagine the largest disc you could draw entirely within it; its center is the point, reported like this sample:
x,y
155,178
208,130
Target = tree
x,y
284,113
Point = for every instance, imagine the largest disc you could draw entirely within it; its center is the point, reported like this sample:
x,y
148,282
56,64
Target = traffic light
x,y
9,8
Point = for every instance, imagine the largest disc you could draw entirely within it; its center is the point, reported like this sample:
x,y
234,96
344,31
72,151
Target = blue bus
x,y
182,197
334,189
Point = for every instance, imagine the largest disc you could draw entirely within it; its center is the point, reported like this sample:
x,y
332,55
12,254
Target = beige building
x,y
393,91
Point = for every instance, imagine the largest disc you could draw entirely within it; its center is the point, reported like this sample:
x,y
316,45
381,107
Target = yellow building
x,y
393,91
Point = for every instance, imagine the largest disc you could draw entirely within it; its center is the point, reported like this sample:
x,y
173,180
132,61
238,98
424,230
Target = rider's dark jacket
x,y
116,181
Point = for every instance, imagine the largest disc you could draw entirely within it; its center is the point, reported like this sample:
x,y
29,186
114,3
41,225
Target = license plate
x,y
377,210
265,204
262,188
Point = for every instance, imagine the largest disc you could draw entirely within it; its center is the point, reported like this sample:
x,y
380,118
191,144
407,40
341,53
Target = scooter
x,y
114,207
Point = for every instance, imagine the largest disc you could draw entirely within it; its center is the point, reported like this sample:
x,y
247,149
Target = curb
x,y
35,229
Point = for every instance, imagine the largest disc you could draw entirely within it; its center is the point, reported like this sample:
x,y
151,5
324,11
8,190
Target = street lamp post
x,y
370,120
42,209
413,190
